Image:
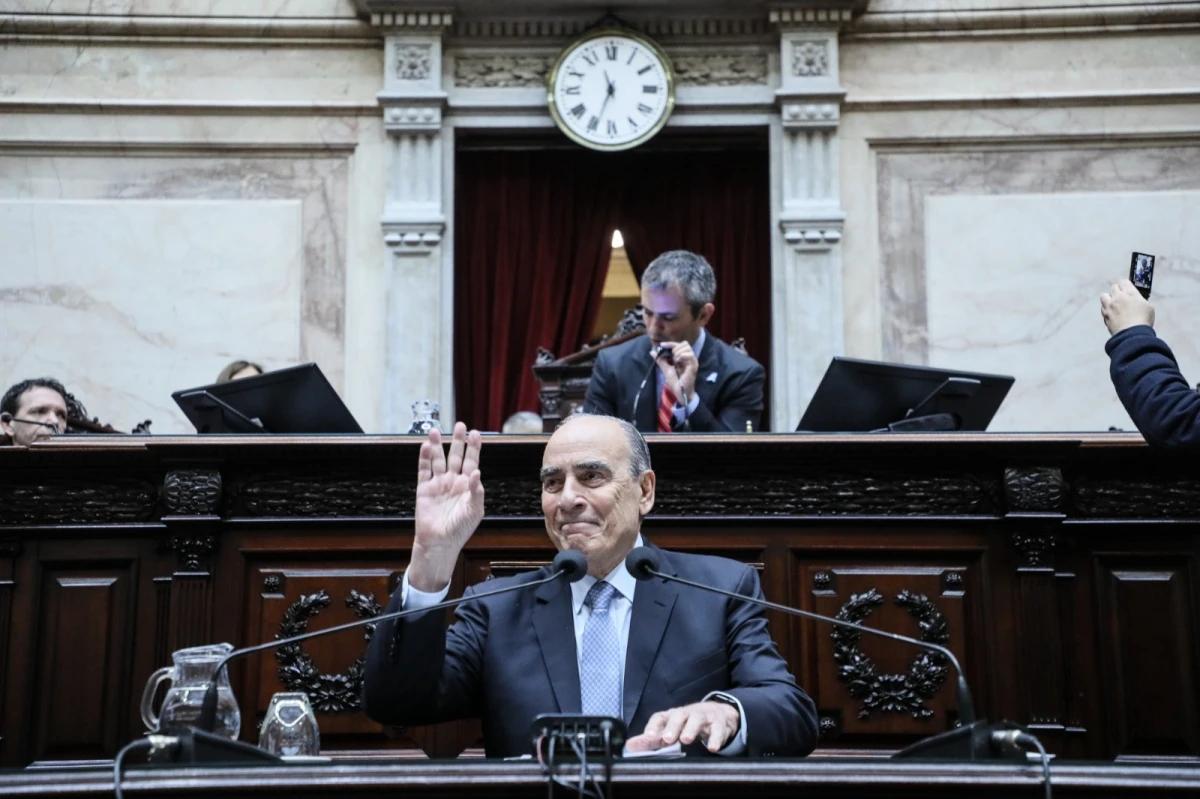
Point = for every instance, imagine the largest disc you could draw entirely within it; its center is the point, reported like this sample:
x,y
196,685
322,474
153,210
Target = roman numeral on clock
x,y
610,50
650,90
579,110
645,69
590,57
645,109
572,90
593,123
611,128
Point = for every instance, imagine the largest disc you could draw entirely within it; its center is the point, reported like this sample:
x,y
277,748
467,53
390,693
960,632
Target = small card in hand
x,y
1141,272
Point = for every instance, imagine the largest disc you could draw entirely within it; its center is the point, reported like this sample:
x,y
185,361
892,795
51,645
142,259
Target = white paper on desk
x,y
662,753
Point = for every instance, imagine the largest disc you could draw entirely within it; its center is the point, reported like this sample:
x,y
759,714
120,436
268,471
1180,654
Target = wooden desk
x,y
1064,571
813,779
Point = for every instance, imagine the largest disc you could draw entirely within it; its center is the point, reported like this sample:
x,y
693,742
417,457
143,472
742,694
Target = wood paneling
x,y
84,651
1073,610
1148,628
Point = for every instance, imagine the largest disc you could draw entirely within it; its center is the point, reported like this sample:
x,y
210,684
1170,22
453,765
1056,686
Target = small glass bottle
x,y
426,416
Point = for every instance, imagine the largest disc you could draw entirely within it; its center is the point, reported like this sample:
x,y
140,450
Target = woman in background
x,y
238,370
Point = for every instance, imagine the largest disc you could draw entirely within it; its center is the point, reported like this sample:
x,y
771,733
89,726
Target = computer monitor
x,y
862,396
297,399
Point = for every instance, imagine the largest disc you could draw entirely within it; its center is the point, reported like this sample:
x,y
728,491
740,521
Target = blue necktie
x,y
600,664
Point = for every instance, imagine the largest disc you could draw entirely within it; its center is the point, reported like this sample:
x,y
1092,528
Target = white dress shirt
x,y
681,413
619,607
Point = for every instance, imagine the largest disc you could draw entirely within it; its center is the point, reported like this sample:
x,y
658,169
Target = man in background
x,y
678,377
1145,373
34,410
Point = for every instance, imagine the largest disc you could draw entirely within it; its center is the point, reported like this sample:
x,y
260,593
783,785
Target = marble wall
x,y
143,290
996,174
183,184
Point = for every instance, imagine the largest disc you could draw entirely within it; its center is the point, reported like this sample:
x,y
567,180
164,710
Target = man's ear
x,y
646,483
706,312
7,428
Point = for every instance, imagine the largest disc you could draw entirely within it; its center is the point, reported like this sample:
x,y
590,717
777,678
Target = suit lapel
x,y
652,604
555,632
710,362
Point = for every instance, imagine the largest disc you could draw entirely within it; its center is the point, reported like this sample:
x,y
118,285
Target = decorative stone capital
x,y
412,114
834,14
390,16
809,112
812,235
413,238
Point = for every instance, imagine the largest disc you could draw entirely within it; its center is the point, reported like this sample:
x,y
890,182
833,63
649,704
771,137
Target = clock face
x,y
612,90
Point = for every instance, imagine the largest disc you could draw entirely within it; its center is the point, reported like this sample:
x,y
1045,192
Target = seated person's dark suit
x,y
1159,400
727,401
509,658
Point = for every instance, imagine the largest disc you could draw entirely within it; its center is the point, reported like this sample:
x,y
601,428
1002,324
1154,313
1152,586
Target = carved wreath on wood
x,y
328,693
891,693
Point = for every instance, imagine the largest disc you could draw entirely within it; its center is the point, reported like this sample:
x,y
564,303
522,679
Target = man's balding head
x,y
596,487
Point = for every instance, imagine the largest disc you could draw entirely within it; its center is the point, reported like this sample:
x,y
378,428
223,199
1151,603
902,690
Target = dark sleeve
x,y
418,672
601,391
742,402
781,719
1159,400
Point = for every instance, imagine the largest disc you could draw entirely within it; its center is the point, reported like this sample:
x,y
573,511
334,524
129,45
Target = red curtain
x,y
716,204
532,243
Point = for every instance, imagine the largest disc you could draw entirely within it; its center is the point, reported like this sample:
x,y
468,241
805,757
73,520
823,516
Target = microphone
x,y
570,564
659,351
8,418
973,740
641,387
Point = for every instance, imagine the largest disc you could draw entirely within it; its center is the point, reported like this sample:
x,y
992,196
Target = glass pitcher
x,y
189,678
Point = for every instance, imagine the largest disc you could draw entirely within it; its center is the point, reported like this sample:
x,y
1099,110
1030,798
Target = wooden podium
x,y
1062,570
565,380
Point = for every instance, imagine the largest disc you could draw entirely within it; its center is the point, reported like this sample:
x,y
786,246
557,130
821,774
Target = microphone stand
x,y
638,396
568,563
973,740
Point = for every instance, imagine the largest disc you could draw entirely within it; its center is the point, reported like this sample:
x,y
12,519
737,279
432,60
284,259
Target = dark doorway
x,y
533,246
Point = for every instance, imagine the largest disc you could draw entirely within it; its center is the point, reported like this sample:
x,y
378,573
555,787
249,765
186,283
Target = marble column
x,y
420,266
806,261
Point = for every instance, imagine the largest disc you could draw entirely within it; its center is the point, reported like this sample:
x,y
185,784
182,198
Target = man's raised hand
x,y
448,509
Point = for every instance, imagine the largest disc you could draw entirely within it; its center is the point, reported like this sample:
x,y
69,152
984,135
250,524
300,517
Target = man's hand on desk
x,y
448,509
714,723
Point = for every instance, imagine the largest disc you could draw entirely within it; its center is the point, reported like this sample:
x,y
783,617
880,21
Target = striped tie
x,y
666,409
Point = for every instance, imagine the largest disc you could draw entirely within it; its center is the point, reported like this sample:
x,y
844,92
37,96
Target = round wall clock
x,y
611,89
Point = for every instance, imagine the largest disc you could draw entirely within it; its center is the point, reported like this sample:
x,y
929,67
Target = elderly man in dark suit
x,y
701,384
676,664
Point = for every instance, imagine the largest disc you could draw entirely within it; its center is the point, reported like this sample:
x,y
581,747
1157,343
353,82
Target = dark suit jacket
x,y
1147,378
735,396
509,658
